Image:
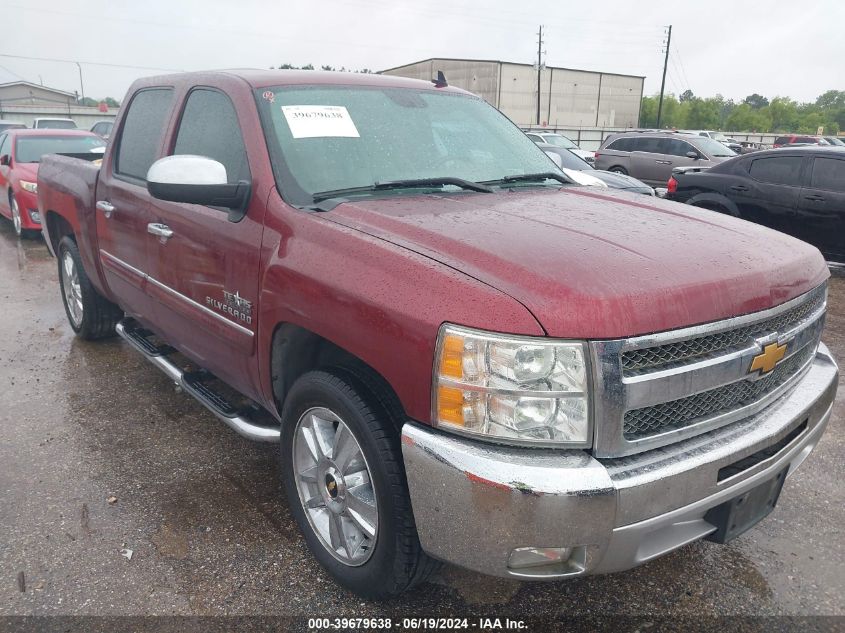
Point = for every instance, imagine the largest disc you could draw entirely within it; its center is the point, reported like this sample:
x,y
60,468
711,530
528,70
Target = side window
x,y
534,138
209,127
143,128
780,170
650,144
625,144
3,148
781,140
675,147
828,173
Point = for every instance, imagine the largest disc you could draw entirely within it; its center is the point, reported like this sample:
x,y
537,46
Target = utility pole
x,y
539,68
663,83
81,86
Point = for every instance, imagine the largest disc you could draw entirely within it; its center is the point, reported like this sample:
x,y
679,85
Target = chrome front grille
x,y
679,413
657,389
673,354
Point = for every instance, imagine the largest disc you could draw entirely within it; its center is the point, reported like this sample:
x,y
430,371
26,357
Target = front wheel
x,y
344,479
619,170
16,215
91,315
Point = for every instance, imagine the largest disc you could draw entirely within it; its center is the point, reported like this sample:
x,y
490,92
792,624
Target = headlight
x,y
31,187
512,389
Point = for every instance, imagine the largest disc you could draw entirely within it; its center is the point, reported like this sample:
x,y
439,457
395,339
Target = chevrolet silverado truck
x,y
464,356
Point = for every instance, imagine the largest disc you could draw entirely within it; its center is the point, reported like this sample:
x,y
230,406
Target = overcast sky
x,y
732,47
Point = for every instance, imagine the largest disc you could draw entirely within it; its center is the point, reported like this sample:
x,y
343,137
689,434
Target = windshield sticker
x,y
269,95
319,121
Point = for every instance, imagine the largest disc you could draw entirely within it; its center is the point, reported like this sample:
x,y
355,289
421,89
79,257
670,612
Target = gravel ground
x,y
101,457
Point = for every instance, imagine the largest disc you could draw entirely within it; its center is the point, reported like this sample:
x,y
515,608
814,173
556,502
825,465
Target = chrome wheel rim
x,y
71,289
16,216
335,486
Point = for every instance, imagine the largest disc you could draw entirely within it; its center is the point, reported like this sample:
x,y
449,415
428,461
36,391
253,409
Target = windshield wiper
x,y
539,177
403,184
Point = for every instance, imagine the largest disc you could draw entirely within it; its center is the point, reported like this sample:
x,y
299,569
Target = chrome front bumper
x,y
475,503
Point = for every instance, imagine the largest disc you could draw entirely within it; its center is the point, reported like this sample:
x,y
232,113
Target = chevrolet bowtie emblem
x,y
771,356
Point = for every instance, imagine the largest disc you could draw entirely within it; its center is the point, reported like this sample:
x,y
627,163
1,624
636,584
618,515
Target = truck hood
x,y
593,264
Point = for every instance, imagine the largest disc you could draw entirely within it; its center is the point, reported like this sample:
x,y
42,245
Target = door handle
x,y
814,198
106,207
738,188
162,230
663,162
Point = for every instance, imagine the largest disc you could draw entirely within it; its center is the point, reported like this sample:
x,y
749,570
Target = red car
x,y
20,154
798,139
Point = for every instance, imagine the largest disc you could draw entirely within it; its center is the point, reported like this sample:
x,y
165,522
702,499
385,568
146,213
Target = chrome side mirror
x,y
197,180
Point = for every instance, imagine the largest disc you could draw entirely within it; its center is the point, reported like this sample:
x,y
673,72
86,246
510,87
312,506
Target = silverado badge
x,y
233,304
771,356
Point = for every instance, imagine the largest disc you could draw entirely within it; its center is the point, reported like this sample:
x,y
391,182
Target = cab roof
x,y
258,78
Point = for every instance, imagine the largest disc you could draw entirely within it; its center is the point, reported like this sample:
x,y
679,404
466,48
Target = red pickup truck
x,y
464,356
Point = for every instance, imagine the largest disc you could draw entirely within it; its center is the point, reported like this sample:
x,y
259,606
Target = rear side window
x,y
828,173
781,170
209,127
649,144
143,128
622,145
781,140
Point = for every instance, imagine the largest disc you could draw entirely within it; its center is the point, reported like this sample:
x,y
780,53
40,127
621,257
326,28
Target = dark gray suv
x,y
651,156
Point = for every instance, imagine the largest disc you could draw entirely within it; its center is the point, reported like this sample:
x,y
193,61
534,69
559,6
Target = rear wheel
x,y
91,315
619,170
345,483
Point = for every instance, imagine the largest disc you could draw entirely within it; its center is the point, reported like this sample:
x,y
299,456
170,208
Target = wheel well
x,y
296,351
57,228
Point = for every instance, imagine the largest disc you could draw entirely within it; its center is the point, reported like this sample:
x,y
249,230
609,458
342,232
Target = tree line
x,y
342,69
755,113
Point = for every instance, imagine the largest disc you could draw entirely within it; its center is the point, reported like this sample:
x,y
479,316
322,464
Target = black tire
x,y
618,170
397,562
99,315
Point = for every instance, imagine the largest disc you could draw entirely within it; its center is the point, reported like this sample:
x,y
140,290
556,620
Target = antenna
x,y
440,82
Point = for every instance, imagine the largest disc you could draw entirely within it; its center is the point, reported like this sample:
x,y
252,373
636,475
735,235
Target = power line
x,y
683,69
73,61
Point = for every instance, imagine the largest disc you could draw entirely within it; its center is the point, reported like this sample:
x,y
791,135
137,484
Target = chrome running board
x,y
190,383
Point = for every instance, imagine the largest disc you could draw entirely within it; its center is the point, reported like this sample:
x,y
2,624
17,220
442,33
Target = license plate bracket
x,y
741,513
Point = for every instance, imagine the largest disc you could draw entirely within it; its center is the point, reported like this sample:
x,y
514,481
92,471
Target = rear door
x,y
649,162
770,193
204,277
821,206
123,203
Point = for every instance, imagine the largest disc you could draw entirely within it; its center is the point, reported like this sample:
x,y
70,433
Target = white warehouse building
x,y
568,98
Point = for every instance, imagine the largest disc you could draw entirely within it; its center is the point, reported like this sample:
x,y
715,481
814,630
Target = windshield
x,y
326,138
558,140
56,124
30,149
713,148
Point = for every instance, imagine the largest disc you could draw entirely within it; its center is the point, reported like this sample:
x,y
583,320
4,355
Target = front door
x,y
123,203
204,276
